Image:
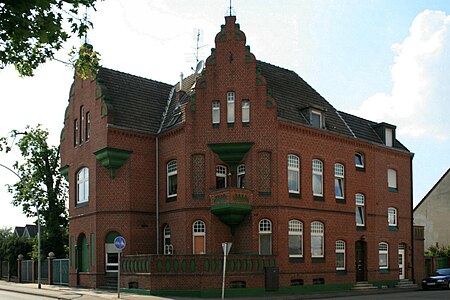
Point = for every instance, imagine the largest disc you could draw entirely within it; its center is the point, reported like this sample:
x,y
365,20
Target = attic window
x,y
316,119
389,137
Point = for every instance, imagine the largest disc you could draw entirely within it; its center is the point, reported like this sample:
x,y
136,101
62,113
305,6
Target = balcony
x,y
231,205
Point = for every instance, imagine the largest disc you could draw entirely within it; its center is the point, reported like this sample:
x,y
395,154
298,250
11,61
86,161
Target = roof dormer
x,y
386,132
315,115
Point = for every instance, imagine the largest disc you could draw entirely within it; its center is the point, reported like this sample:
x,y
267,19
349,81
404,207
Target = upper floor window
x,y
317,239
172,171
392,216
199,237
359,160
389,137
265,237
241,176
221,177
216,112
340,255
82,124
317,170
339,181
245,111
293,174
75,132
392,180
383,252
82,186
168,249
316,119
88,126
360,211
230,107
295,238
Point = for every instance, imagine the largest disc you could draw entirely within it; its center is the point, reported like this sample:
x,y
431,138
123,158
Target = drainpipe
x,y
412,222
157,193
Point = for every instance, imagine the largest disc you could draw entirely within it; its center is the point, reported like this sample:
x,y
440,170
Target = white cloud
x,y
419,100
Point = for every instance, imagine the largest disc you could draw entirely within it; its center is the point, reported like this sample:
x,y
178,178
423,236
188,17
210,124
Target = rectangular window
x,y
295,238
230,107
245,111
316,119
82,124
383,255
75,132
392,180
340,255
221,177
216,112
294,174
360,215
389,137
317,240
172,171
392,216
339,181
317,169
88,126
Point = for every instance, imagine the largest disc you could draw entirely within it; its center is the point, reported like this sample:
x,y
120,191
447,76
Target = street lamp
x,y
38,223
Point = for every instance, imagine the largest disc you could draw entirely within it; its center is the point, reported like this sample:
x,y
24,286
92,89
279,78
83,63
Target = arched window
x,y
317,239
265,237
293,174
317,170
168,248
241,176
199,237
172,171
339,181
392,217
82,186
359,160
340,255
295,238
383,254
221,177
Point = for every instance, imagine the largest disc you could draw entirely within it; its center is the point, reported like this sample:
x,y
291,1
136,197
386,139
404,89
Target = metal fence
x,y
5,269
61,271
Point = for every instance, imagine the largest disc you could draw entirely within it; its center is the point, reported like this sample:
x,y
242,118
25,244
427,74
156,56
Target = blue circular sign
x,y
120,242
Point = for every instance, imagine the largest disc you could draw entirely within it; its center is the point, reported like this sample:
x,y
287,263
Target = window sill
x,y
171,199
246,124
265,194
384,271
198,196
319,198
340,201
341,272
230,125
296,260
360,228
294,195
84,204
393,228
393,190
318,260
215,125
360,169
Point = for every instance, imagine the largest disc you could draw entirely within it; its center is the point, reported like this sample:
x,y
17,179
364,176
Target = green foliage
x,y
41,187
32,31
11,247
86,62
437,251
5,232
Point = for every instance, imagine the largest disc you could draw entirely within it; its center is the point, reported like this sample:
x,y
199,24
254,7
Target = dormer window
x,y
389,137
386,132
316,119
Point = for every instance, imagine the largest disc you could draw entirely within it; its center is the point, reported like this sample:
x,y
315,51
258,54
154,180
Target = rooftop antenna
x,y
199,63
230,11
85,20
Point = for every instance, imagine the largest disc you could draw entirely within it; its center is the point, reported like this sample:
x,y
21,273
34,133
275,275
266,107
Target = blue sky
x,y
382,60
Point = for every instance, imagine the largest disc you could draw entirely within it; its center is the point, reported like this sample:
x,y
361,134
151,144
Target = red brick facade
x,y
124,202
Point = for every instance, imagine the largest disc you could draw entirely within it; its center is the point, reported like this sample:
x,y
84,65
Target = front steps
x,y
406,284
402,284
363,286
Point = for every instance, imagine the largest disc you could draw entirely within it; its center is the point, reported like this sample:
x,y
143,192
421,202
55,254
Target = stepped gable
x,y
138,103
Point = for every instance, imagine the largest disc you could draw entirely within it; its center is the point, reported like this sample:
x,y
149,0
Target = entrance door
x,y
401,261
361,261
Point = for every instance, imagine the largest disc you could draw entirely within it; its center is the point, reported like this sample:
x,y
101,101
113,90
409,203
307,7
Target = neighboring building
x,y
29,231
433,213
244,152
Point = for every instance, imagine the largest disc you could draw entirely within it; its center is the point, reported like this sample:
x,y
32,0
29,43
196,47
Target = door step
x,y
406,284
363,286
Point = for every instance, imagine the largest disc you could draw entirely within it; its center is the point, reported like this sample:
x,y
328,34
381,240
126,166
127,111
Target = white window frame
x,y
359,160
168,248
392,216
317,231
339,174
383,255
389,135
221,171
360,209
241,176
111,252
82,124
216,112
245,111
317,170
296,232
75,132
392,179
340,250
231,96
83,185
294,174
265,231
172,174
88,126
199,230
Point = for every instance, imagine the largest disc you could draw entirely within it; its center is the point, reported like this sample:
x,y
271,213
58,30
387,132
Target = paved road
x,y
412,295
6,295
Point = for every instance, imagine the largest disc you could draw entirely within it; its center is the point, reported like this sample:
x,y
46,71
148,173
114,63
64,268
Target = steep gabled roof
x,y
432,189
137,103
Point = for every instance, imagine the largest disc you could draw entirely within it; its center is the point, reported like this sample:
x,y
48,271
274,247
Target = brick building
x,y
244,152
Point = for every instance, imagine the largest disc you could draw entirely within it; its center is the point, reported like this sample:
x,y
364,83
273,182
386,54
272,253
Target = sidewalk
x,y
66,293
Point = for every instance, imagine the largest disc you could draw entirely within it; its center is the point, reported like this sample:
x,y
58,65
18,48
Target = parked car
x,y
440,279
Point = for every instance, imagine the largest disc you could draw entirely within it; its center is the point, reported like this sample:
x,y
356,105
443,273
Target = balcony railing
x,y
231,204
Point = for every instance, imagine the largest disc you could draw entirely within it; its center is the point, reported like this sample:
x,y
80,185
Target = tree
x,y
5,232
11,247
32,31
41,186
